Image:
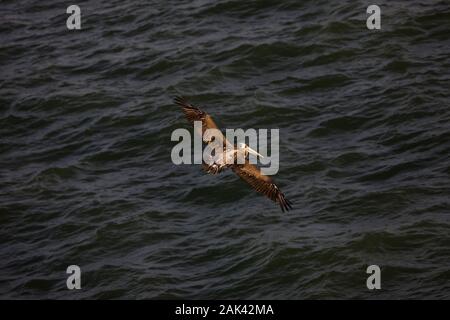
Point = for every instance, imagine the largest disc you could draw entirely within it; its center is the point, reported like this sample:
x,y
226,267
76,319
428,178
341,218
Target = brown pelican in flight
x,y
247,171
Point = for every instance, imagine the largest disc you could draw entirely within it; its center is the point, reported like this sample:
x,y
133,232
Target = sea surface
x,y
86,176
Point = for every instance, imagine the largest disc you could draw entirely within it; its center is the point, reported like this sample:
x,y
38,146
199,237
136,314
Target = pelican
x,y
246,171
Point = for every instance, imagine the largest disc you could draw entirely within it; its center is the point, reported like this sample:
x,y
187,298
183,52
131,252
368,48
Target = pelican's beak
x,y
250,150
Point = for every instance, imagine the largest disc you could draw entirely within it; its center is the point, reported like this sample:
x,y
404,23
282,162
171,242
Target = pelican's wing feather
x,y
193,113
262,183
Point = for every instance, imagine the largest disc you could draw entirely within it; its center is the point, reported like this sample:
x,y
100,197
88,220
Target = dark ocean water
x,y
86,176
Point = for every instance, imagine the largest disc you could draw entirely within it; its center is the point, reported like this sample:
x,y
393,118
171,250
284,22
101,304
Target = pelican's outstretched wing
x,y
262,183
195,114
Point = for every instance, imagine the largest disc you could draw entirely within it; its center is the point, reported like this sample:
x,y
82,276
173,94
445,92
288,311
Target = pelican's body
x,y
221,161
230,156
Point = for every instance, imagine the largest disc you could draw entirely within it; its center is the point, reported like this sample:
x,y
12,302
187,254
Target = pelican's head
x,y
242,147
